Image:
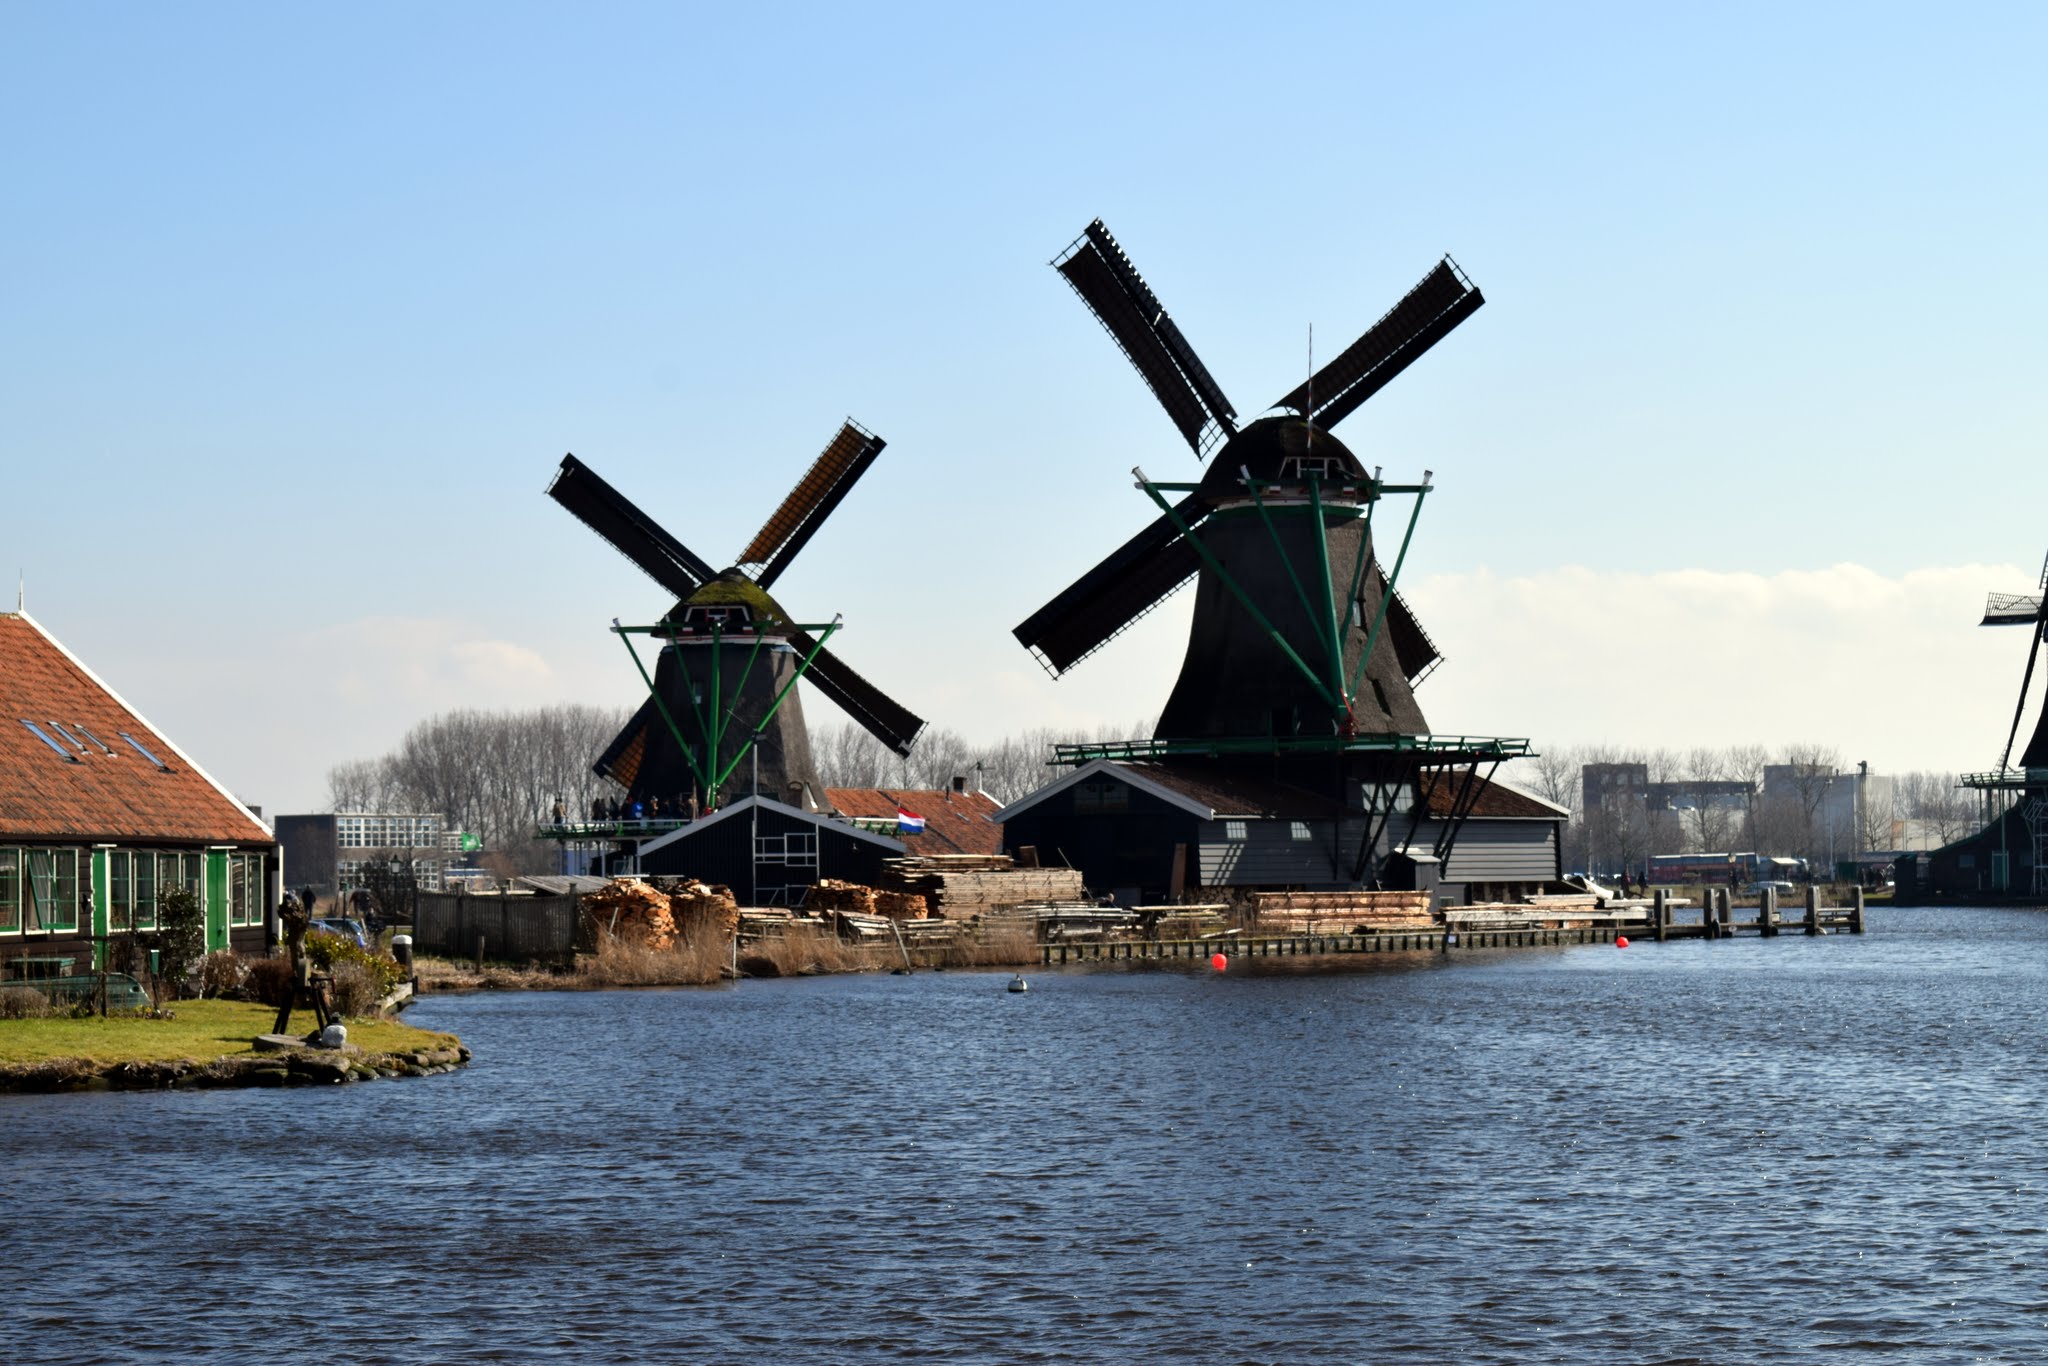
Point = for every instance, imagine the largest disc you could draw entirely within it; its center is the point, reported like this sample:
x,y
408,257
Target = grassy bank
x,y
206,1043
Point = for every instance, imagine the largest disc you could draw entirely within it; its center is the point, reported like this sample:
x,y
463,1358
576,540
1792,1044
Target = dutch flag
x,y
908,823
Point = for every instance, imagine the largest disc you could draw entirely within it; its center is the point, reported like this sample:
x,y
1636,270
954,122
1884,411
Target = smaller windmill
x,y
723,690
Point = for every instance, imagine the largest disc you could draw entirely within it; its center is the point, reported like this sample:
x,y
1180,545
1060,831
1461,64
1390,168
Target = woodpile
x,y
703,912
963,885
830,894
1341,912
632,912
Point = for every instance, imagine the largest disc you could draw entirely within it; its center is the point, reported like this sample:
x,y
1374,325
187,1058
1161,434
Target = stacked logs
x,y
1342,912
702,911
632,912
830,894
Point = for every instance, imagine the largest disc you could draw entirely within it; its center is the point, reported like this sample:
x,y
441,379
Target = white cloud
x,y
1888,669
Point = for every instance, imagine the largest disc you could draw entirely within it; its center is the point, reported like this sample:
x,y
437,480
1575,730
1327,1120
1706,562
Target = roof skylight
x,y
143,750
44,736
58,726
79,726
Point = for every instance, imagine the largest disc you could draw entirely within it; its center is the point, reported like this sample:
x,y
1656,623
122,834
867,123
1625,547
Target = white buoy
x,y
1018,983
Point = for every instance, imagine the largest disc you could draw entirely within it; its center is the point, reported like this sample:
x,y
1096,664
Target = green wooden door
x,y
216,899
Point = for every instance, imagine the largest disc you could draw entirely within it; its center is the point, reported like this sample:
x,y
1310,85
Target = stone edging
x,y
295,1067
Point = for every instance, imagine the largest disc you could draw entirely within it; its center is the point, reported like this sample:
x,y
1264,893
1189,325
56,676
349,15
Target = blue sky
x,y
306,303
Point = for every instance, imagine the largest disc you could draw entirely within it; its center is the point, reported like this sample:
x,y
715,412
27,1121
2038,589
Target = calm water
x,y
1727,1152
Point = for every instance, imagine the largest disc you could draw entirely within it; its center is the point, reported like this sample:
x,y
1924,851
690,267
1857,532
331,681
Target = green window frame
x,y
52,882
10,891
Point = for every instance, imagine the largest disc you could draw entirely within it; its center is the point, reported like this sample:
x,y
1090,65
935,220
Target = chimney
x,y
959,783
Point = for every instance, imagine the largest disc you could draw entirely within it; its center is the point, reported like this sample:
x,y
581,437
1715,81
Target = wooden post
x,y
1813,910
1767,911
1660,901
1856,912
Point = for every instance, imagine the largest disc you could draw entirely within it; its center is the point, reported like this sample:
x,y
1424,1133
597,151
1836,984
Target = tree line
x,y
492,773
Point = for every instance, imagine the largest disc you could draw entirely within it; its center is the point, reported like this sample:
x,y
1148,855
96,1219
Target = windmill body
x,y
1237,678
723,716
1302,658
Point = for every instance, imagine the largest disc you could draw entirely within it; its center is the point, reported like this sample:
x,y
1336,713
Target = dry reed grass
x,y
800,952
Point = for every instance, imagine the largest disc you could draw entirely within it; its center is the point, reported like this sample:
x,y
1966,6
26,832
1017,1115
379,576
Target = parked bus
x,y
1720,870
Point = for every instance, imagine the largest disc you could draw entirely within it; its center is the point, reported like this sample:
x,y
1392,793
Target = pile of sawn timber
x,y
1342,912
830,894
964,885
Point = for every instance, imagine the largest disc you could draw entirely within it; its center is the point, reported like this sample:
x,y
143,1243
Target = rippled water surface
x,y
1741,1151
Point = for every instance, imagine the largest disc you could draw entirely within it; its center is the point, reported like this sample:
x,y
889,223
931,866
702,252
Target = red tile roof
x,y
1494,800
954,822
95,795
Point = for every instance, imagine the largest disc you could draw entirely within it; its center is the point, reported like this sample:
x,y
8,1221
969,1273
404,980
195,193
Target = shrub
x,y
180,933
23,1003
331,952
268,980
222,973
357,989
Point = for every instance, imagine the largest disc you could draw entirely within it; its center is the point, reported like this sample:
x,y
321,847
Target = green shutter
x,y
99,908
216,899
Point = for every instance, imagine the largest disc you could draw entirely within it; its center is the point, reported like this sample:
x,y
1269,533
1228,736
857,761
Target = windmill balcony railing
x,y
1459,747
2007,779
610,830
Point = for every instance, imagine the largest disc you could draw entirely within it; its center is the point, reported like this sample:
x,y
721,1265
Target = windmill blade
x,y
887,720
631,532
1100,605
2037,749
1110,285
1413,649
828,480
1424,317
622,758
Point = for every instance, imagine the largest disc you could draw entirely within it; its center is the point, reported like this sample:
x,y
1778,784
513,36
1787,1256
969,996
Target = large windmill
x,y
724,689
2028,779
1300,646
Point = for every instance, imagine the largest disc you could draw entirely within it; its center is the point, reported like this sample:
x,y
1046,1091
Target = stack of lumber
x,y
830,894
1341,912
963,885
701,910
1183,922
631,911
1064,920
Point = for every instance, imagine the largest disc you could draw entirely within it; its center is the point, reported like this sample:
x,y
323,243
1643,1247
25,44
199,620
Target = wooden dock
x,y
1656,920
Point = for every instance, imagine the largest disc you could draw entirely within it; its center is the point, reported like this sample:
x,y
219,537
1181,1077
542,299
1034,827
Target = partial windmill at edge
x,y
722,702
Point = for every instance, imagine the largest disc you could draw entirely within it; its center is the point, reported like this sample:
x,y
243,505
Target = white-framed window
x,y
1234,831
245,890
144,873
120,890
1300,830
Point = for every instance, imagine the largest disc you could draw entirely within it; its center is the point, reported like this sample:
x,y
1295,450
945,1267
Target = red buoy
x,y
1621,941
1218,961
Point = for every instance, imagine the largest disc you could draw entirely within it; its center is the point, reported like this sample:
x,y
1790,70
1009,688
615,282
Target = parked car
x,y
351,930
123,991
1781,888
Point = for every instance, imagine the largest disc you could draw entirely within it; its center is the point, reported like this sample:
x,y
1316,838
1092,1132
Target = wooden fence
x,y
505,929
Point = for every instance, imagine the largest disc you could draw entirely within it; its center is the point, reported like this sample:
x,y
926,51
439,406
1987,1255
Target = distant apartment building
x,y
331,851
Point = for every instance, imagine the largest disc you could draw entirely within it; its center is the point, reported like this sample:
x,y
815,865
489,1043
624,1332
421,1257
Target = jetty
x,y
1659,919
